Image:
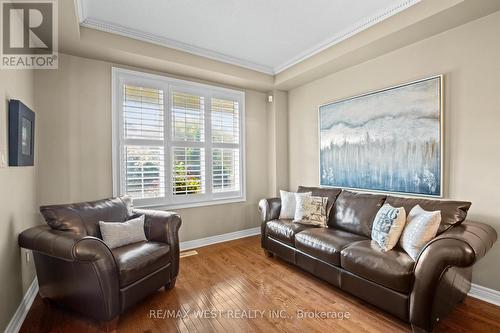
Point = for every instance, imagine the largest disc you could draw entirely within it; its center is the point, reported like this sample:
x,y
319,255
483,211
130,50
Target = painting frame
x,y
21,134
441,135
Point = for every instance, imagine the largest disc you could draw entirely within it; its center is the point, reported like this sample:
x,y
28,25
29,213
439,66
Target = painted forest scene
x,y
387,141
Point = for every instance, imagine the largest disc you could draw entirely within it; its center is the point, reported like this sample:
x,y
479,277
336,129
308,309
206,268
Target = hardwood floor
x,y
236,280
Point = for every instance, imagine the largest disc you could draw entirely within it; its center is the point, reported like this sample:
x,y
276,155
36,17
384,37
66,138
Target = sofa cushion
x,y
83,218
325,244
452,212
138,260
285,230
388,226
354,212
331,193
311,210
289,203
392,269
421,226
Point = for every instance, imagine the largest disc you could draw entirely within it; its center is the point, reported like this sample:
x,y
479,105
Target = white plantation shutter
x,y
188,117
176,143
188,160
143,113
226,170
145,169
225,121
226,149
188,175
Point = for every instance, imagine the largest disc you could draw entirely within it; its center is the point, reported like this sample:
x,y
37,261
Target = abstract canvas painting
x,y
389,140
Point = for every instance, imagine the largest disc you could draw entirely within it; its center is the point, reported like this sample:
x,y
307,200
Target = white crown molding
x,y
359,26
173,44
193,244
485,294
22,310
354,29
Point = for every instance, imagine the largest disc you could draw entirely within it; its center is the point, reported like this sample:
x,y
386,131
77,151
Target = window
x,y
176,143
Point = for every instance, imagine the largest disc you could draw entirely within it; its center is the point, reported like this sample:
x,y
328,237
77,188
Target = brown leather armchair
x,y
75,268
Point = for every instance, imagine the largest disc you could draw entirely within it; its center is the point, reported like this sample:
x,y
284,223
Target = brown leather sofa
x,y
76,269
343,254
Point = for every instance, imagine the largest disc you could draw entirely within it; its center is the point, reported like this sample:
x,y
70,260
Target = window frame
x,y
122,76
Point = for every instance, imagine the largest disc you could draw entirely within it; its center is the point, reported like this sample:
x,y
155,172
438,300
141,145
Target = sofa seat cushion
x,y
285,230
392,269
325,243
138,260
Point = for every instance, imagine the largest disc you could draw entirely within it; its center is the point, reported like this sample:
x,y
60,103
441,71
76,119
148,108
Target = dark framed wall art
x,y
21,134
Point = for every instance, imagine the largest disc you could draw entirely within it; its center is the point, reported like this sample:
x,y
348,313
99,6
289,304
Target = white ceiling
x,y
265,35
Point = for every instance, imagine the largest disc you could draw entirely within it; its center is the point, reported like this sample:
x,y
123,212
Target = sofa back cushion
x,y
83,218
452,212
354,212
331,193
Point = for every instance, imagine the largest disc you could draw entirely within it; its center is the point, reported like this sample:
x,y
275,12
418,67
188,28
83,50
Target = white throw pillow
x,y
288,203
116,234
421,227
388,226
311,210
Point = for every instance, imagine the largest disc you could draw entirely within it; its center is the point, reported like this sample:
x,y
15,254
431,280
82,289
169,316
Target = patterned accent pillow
x,y
288,203
311,210
388,226
421,227
116,234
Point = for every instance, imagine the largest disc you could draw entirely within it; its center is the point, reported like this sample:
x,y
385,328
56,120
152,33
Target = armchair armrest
x,y
269,209
163,227
72,267
460,246
64,245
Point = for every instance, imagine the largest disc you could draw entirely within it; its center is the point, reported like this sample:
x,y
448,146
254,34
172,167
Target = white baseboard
x,y
193,244
22,310
485,294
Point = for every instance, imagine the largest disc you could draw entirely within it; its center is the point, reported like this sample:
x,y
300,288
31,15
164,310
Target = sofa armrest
x,y
269,209
82,267
161,226
460,246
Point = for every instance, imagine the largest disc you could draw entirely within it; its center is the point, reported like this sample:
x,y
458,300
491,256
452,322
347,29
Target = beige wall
x,y
75,146
277,145
18,207
469,57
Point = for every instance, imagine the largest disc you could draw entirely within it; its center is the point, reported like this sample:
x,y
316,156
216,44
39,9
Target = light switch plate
x,y
3,160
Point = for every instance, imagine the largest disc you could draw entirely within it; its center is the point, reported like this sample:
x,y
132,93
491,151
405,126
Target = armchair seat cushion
x,y
285,230
392,269
138,260
325,244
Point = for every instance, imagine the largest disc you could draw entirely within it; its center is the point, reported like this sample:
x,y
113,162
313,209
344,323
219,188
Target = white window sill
x,y
192,204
